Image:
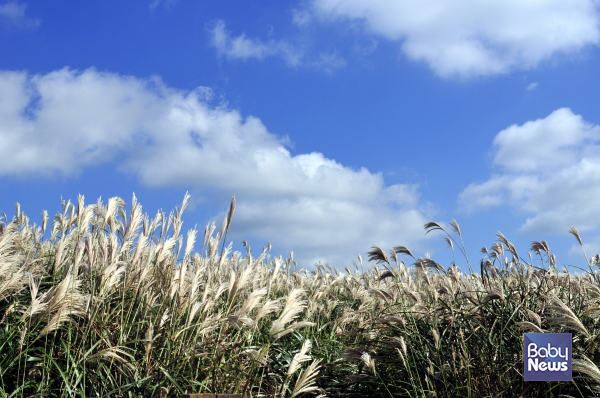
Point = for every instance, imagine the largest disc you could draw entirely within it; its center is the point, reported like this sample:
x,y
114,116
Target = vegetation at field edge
x,y
114,303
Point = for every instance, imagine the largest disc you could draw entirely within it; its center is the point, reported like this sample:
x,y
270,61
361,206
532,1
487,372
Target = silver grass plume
x,y
252,301
306,381
293,307
526,325
455,227
300,357
563,315
378,255
587,367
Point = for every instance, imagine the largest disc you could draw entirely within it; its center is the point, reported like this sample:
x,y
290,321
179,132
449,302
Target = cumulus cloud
x,y
66,120
471,38
332,230
63,121
14,13
549,168
242,47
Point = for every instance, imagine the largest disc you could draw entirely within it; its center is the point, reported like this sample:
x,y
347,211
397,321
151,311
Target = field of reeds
x,y
112,303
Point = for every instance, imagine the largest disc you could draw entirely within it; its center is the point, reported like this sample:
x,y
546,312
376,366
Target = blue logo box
x,y
548,356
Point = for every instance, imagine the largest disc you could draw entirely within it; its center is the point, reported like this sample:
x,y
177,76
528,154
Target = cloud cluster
x,y
63,121
14,14
471,38
242,47
549,168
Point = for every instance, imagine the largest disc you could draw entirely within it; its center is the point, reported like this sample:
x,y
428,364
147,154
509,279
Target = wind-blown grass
x,y
114,303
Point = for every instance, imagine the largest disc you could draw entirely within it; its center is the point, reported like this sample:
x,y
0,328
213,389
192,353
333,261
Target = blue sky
x,y
337,124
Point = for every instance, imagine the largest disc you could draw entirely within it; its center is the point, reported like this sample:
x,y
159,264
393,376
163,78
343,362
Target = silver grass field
x,y
114,303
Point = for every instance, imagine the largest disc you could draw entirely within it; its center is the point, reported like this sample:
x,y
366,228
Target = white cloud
x,y
545,145
549,168
169,4
329,62
531,86
334,230
14,13
242,47
63,121
466,37
301,17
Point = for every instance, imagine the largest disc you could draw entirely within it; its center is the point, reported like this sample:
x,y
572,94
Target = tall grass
x,y
117,304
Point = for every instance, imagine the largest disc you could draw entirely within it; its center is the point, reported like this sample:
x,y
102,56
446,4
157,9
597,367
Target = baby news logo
x,y
548,356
